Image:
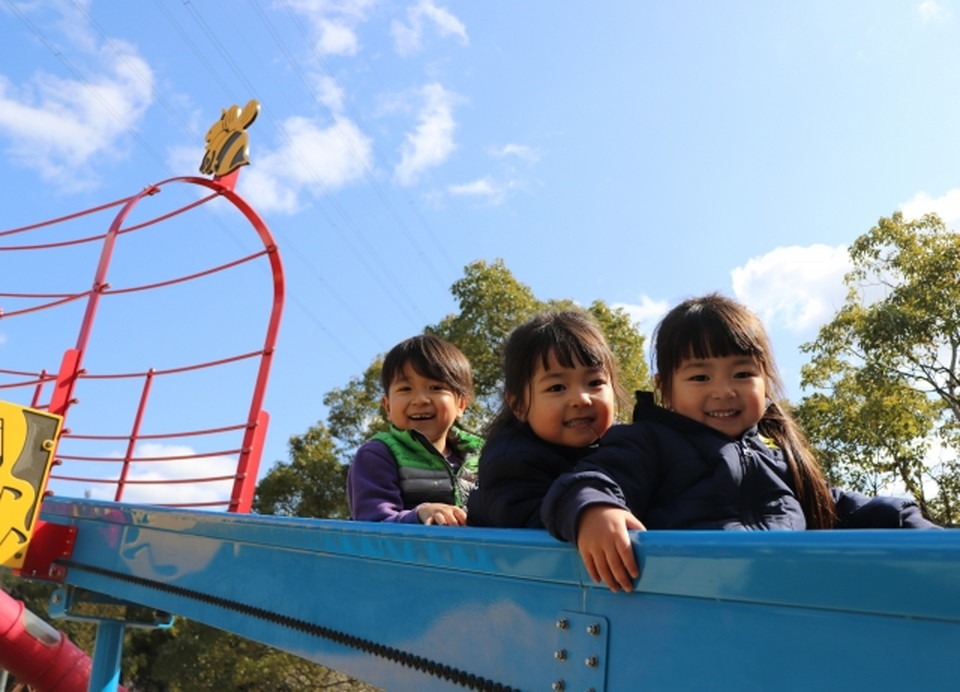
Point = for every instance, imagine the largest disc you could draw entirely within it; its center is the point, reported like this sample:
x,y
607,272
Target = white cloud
x,y
58,126
522,152
329,92
334,23
931,11
408,37
645,314
431,143
313,160
152,482
336,38
798,288
487,189
947,206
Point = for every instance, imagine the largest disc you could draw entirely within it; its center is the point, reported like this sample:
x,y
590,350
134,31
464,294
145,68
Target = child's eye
x,y
698,378
439,388
745,374
556,388
599,382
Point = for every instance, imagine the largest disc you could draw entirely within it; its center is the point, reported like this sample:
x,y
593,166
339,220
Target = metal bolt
x,y
560,654
593,629
558,686
563,624
592,661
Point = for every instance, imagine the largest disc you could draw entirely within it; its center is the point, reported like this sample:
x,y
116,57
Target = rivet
x,y
563,624
592,661
558,686
593,629
560,654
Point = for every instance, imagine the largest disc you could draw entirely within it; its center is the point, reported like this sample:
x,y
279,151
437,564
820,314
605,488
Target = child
x,y
423,468
560,395
720,454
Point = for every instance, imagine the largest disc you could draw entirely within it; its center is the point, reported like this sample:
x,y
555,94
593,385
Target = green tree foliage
x,y
886,407
199,658
312,484
492,302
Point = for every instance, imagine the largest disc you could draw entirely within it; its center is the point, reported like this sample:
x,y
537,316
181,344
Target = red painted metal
x,y
39,655
72,373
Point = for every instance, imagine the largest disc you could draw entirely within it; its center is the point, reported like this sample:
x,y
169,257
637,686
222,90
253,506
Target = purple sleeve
x,y
373,486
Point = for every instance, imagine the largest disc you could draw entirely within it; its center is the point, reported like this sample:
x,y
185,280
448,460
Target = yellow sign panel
x,y
28,439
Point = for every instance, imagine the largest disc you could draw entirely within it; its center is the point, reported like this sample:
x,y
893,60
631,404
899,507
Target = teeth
x,y
577,421
722,414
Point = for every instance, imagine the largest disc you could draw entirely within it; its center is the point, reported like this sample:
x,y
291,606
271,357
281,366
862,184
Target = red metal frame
x,y
71,373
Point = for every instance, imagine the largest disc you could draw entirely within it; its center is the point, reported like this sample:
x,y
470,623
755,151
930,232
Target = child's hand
x,y
441,514
605,547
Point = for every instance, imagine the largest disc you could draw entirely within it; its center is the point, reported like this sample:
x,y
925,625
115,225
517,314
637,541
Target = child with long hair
x,y
560,396
721,452
423,467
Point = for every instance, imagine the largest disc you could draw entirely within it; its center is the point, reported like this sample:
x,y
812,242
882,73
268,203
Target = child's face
x,y
415,402
569,406
728,393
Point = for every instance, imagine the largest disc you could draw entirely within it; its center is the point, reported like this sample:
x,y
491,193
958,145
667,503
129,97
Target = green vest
x,y
425,476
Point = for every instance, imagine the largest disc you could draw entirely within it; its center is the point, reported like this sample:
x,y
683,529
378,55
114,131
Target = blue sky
x,y
637,153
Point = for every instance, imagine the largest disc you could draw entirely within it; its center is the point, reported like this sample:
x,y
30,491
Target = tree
x,y
886,367
198,657
312,484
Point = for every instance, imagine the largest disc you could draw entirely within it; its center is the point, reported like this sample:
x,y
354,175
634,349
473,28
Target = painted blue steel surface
x,y
712,610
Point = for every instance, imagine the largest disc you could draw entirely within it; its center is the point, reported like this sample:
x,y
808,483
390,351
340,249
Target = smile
x,y
578,423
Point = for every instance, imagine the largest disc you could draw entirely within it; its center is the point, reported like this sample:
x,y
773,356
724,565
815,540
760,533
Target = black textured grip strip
x,y
404,658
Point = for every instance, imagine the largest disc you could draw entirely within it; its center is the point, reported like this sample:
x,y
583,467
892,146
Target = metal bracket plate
x,y
580,653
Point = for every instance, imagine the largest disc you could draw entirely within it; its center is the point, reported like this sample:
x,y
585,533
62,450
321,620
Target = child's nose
x,y
723,389
582,398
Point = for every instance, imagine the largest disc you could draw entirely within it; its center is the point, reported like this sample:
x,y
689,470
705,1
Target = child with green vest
x,y
422,469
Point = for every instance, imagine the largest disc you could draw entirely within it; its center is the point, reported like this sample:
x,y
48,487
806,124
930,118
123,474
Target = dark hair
x,y
570,336
433,357
716,326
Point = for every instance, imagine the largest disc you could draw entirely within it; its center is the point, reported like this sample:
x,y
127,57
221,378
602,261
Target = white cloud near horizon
x,y
947,206
408,36
645,314
159,488
796,288
432,141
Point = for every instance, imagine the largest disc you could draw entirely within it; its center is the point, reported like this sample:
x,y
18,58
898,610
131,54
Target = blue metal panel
x,y
410,607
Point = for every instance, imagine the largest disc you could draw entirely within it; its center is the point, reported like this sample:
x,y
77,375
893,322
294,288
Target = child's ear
x,y
385,401
517,407
658,390
462,404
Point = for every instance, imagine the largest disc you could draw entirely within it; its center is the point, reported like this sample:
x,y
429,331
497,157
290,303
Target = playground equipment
x,y
403,607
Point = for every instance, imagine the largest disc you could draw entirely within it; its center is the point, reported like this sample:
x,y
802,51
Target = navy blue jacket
x,y
673,472
515,471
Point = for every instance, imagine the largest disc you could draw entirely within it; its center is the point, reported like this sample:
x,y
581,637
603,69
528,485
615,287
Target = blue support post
x,y
105,676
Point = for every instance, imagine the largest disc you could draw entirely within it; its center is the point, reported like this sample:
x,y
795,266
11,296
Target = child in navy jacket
x,y
560,396
720,453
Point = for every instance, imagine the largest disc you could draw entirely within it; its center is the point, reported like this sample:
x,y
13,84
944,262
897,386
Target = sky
x,y
633,152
